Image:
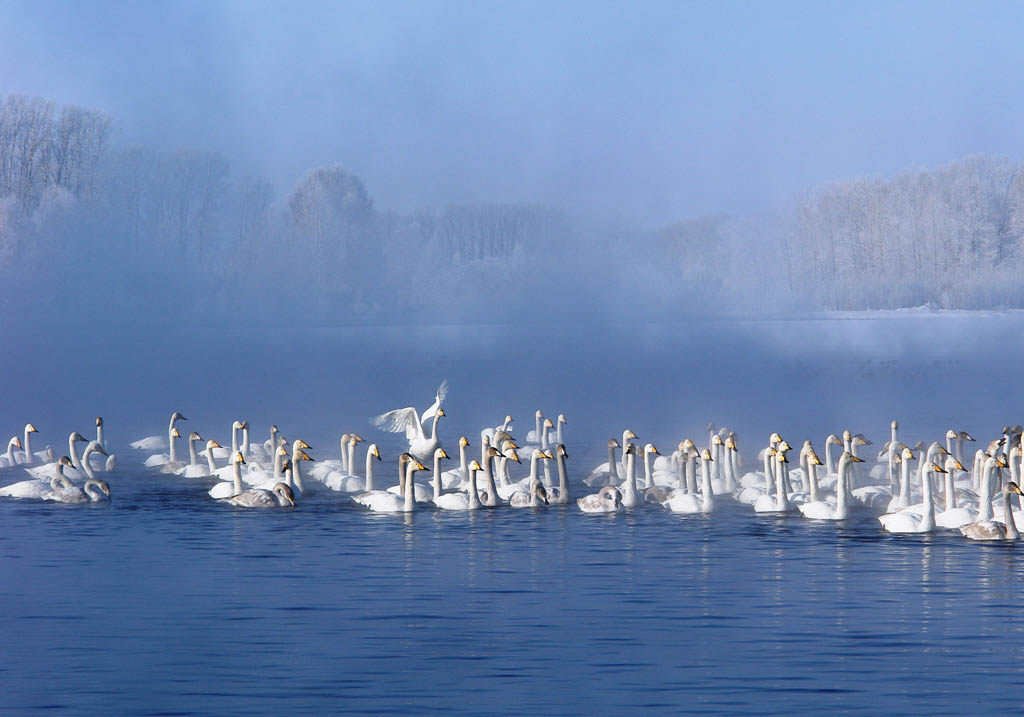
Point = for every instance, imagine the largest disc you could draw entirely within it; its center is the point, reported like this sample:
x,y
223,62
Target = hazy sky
x,y
647,111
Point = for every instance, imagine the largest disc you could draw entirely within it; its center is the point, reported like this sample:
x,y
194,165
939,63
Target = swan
x,y
751,493
458,477
489,498
64,491
323,469
606,473
828,509
157,443
421,493
609,473
386,502
227,489
990,529
86,470
630,497
780,502
346,483
489,433
199,470
680,502
280,496
157,460
36,487
560,495
606,500
879,495
409,421
954,516
261,478
909,520
516,492
49,470
534,435
469,500
26,457
8,460
224,453
439,455
533,499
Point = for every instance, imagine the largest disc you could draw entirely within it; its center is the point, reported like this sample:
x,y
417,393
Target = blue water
x,y
166,602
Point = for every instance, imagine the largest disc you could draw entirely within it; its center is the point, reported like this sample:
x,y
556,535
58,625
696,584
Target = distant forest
x,y
91,228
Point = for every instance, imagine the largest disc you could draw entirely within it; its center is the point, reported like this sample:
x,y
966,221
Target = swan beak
x,y
304,456
855,459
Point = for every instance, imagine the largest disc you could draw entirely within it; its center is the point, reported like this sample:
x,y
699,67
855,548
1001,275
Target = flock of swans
x,y
911,489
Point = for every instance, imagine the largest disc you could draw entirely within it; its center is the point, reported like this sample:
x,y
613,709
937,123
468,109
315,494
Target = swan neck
x,y
492,491
237,475
926,492
613,468
437,477
27,443
949,489
369,470
691,474
1011,525
193,457
209,460
474,496
985,494
297,468
842,489
781,498
351,457
85,463
10,452
769,474
705,483
648,480
410,491
73,453
245,442
278,463
563,479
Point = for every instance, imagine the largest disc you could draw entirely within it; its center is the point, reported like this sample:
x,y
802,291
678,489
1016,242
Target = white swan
x,y
47,471
281,496
409,421
470,500
346,483
158,460
157,443
779,503
680,502
386,502
519,498
226,489
199,470
630,495
534,435
909,520
458,478
36,487
64,491
26,457
606,500
8,460
325,468
837,508
606,473
990,529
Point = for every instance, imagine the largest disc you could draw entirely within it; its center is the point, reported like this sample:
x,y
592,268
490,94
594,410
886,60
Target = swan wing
x,y
442,393
401,419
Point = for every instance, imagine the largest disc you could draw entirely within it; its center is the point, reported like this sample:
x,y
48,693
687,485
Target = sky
x,y
646,113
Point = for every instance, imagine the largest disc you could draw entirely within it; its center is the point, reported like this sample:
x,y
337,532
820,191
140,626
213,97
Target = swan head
x,y
561,418
492,452
937,468
783,447
237,426
303,456
193,436
474,465
613,443
894,425
687,445
907,454
774,439
415,465
538,414
95,447
540,490
29,428
730,443
1001,460
463,442
499,436
850,458
813,459
513,454
716,440
65,462
177,417
952,463
282,451
441,413
102,485
238,458
78,437
966,436
372,450
1012,487
610,494
650,448
284,491
537,453
16,442
440,453
705,455
630,450
630,435
99,420
210,445
834,440
860,440
175,433
952,435
562,453
299,444
548,423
